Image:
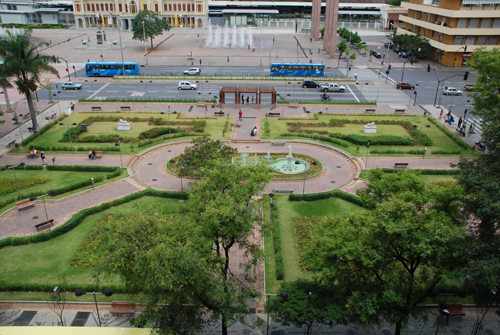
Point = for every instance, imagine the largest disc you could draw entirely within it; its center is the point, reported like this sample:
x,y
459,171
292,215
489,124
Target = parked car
x,y
308,83
415,59
71,86
397,49
187,85
451,91
376,54
389,45
404,85
404,54
469,87
192,71
389,35
332,87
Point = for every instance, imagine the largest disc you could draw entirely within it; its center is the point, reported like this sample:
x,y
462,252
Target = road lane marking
x,y
354,95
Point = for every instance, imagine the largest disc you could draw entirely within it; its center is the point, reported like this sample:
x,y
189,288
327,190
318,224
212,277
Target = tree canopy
x,y
153,26
416,44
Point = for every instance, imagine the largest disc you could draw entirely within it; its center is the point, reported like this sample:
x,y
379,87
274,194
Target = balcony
x,y
449,30
463,13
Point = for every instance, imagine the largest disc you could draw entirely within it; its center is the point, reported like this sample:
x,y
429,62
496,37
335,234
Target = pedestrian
x,y
425,152
217,101
273,40
460,122
240,115
356,76
248,46
242,98
448,115
311,39
206,106
228,59
349,68
465,114
42,156
271,112
379,74
200,62
254,131
88,38
191,62
319,49
440,114
248,99
277,56
471,130
252,99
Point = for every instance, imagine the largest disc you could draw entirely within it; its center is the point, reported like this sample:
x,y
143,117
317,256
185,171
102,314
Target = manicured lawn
x,y
42,262
436,179
58,179
287,211
105,128
215,126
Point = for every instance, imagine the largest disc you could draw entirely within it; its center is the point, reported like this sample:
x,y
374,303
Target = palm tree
x,y
21,58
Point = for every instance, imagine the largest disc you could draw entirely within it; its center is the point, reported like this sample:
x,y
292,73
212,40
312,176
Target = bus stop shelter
x,y
241,91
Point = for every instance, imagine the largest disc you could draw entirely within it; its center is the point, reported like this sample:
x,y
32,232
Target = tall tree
x,y
5,83
153,26
22,59
480,176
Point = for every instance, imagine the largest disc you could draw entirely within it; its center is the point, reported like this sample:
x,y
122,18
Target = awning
x,y
466,56
250,11
480,2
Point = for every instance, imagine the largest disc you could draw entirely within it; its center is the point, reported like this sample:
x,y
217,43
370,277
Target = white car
x,y
332,87
71,86
451,91
192,71
187,85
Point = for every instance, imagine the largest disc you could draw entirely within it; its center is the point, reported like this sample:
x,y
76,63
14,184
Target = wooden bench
x,y
400,165
399,111
283,190
23,204
33,156
94,109
201,104
11,144
460,131
53,116
278,142
221,113
370,111
27,116
125,108
480,146
123,307
44,223
273,114
455,309
293,105
98,154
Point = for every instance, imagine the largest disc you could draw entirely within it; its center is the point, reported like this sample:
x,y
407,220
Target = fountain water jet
x,y
233,41
242,38
226,36
209,37
217,37
250,40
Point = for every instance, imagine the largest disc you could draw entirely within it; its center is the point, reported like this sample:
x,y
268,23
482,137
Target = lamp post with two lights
x,y
14,170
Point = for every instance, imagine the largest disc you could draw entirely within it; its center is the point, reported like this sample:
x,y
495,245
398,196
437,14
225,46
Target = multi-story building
x,y
457,27
180,13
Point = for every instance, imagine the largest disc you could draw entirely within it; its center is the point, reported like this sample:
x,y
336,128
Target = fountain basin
x,y
281,166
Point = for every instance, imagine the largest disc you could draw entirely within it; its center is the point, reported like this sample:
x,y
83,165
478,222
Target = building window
x,y
440,37
473,23
199,8
77,8
189,8
428,17
156,7
485,23
436,2
415,15
111,7
170,7
425,32
93,8
470,40
492,41
107,7
175,7
496,23
462,24
459,40
433,33
165,7
481,41
102,7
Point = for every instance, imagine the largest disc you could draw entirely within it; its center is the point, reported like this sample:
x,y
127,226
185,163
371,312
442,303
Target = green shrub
x,y
280,267
317,137
326,195
426,171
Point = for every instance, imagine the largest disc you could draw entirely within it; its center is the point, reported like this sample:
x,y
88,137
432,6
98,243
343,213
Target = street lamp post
x,y
51,193
283,296
260,43
415,126
120,147
144,36
121,46
304,186
67,68
403,73
14,170
439,83
367,148
415,99
169,128
107,293
74,71
69,132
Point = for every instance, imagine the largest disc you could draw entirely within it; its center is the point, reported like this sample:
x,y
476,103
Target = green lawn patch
x,y
40,263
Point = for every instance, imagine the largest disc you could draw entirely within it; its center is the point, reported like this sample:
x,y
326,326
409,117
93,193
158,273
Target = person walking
x,y
460,122
240,115
277,55
440,114
471,130
252,99
42,156
242,98
228,59
356,76
248,99
200,62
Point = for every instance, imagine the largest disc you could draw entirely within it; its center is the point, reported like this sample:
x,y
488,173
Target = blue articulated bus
x,y
297,70
110,69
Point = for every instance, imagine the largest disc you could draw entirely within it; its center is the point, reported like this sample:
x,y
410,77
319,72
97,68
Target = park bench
x,y
455,309
400,165
278,142
50,222
201,104
370,111
293,105
27,116
123,307
53,116
11,144
480,145
125,108
98,154
34,156
96,108
23,204
399,111
283,190
460,131
221,113
274,114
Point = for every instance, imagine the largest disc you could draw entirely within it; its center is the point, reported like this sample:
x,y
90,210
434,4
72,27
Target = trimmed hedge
x,y
43,130
26,167
68,148
326,195
166,137
77,218
280,267
398,152
377,140
448,133
425,171
317,137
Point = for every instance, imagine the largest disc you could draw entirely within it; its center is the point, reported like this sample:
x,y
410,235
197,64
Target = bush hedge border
x,y
448,133
326,195
278,253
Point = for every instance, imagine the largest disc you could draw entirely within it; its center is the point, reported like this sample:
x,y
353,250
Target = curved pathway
x,y
148,169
